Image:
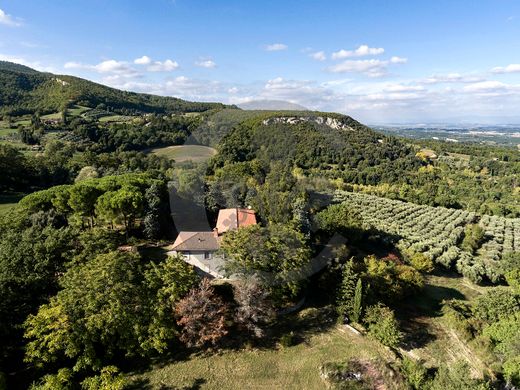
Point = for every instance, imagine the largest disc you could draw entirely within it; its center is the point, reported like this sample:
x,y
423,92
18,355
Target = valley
x,y
364,259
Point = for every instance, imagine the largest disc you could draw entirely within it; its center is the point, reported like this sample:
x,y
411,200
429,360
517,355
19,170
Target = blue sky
x,y
379,61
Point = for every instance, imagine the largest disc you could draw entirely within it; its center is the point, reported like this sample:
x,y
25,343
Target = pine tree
x,y
345,301
358,301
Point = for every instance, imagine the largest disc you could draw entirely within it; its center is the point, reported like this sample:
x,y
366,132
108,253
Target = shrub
x,y
383,326
287,340
421,262
415,373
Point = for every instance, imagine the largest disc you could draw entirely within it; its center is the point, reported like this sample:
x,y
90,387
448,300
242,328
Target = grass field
x,y
55,115
8,201
182,153
295,367
5,131
431,338
77,110
115,118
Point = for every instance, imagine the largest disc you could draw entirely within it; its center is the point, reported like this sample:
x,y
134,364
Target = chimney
x,y
215,232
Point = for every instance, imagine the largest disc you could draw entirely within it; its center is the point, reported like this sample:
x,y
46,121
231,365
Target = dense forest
x,y
25,90
410,246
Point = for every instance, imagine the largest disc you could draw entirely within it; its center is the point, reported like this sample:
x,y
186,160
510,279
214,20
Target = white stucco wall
x,y
211,265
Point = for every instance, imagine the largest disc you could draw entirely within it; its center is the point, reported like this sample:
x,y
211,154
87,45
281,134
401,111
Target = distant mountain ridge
x,y
25,91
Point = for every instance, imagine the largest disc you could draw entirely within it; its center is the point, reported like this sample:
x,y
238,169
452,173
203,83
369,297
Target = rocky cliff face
x,y
333,123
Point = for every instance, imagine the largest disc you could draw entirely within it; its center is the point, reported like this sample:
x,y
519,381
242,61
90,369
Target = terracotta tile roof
x,y
196,241
232,219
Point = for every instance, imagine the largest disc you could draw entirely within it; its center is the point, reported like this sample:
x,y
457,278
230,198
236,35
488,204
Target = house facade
x,y
200,248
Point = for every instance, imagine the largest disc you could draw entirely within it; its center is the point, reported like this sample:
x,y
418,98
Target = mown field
x,y
182,153
295,367
428,337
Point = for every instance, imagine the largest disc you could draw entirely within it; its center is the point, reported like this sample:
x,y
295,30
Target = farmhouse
x,y
232,219
200,248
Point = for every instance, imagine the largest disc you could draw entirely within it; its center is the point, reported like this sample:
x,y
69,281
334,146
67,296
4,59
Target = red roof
x,y
232,219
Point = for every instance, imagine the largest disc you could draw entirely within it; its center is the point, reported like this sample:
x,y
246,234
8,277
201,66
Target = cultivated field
x,y
182,153
438,231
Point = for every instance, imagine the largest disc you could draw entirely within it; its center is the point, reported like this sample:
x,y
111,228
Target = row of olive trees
x,y
474,245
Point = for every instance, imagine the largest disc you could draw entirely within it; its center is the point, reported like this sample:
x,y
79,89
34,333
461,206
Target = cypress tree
x,y
346,292
358,301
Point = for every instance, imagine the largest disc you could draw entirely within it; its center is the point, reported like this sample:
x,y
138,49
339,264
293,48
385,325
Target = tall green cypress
x,y
346,291
358,301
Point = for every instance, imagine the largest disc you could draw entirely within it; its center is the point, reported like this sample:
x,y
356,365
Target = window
x,y
207,255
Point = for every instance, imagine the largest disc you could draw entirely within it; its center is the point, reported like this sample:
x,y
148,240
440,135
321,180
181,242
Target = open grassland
x,y
116,118
6,131
429,336
182,153
55,115
77,110
295,367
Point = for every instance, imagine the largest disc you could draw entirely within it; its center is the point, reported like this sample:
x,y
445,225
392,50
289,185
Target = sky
x,y
381,62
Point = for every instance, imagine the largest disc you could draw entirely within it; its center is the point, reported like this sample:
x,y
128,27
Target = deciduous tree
x,y
202,316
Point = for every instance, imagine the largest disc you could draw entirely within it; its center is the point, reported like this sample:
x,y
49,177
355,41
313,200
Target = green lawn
x,y
182,153
77,110
5,131
8,201
115,118
55,115
295,367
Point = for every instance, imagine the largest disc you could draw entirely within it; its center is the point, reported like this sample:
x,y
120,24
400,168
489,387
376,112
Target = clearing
x,y
430,337
183,153
295,367
116,118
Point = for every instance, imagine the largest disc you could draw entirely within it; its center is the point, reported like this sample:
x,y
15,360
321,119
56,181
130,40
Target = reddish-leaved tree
x,y
202,316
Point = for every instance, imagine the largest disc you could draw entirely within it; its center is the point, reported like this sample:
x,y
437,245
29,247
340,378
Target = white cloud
x,y
511,68
451,78
276,47
319,56
108,66
156,66
144,60
304,92
361,51
372,68
165,66
123,68
75,65
8,20
112,66
206,64
403,88
394,96
398,60
486,86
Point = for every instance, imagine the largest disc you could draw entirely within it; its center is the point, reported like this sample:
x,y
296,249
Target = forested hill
x,y
318,143
27,91
348,155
